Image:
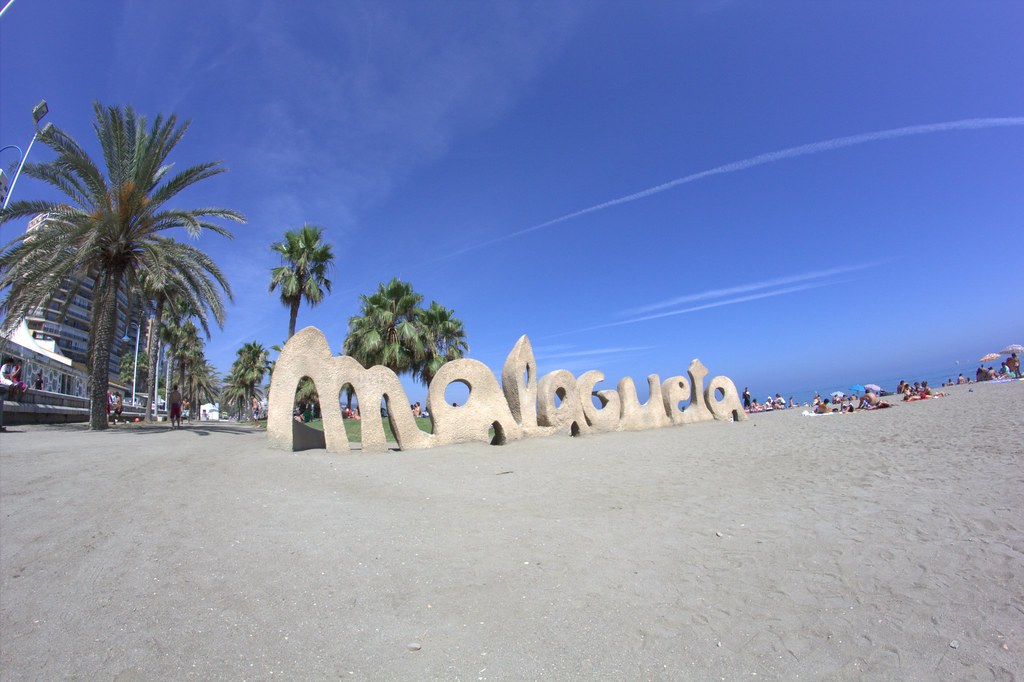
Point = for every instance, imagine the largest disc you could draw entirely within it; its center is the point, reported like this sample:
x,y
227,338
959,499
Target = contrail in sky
x,y
746,288
706,306
751,292
770,157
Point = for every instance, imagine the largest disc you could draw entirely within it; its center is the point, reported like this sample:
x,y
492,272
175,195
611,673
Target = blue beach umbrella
x,y
857,387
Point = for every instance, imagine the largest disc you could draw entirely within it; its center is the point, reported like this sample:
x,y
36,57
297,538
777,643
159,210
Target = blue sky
x,y
459,145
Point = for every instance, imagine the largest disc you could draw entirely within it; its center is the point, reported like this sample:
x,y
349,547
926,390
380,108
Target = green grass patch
x,y
354,428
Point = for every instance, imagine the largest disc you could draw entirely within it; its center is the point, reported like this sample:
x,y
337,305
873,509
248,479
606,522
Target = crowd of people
x,y
849,403
919,391
871,398
1008,369
750,404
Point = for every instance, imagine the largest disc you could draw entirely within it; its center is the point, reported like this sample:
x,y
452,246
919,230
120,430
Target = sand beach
x,y
874,545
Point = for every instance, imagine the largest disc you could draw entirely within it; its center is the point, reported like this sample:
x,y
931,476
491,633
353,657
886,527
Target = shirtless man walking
x,y
174,398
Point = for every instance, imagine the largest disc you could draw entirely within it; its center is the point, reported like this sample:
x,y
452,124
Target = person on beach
x,y
823,407
1013,364
255,409
16,375
39,380
10,376
118,407
174,398
870,401
746,399
960,379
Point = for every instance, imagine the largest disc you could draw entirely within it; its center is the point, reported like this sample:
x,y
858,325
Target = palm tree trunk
x,y
154,352
99,372
293,317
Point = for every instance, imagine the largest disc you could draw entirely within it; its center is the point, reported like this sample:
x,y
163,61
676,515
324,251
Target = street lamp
x,y
38,112
3,176
135,366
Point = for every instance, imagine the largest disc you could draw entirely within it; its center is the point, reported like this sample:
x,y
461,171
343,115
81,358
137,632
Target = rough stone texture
x,y
519,382
308,354
637,416
674,391
380,383
568,417
484,408
697,410
609,416
729,407
521,407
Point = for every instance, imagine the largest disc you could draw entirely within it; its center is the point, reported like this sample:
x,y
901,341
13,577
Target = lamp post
x,y
135,365
3,177
38,112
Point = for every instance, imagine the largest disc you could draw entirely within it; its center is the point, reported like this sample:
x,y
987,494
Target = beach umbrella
x,y
838,394
856,387
873,387
991,356
1013,348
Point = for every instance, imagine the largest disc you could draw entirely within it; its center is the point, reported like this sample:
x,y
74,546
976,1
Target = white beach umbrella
x,y
1013,348
990,357
873,387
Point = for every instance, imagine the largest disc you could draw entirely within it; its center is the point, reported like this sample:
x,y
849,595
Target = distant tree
x,y
203,384
387,331
305,262
186,279
444,338
243,380
105,227
234,392
132,372
393,330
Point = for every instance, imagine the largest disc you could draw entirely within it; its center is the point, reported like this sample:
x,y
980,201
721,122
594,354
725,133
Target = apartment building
x,y
67,318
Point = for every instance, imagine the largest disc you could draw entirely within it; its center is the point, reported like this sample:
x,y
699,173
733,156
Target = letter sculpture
x,y
523,406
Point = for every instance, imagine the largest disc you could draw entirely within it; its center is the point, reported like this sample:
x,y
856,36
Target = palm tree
x,y
246,375
133,369
188,348
108,226
181,278
387,332
203,383
234,391
303,272
444,338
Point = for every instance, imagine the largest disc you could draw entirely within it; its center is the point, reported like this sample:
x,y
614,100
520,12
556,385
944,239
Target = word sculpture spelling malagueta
x,y
523,406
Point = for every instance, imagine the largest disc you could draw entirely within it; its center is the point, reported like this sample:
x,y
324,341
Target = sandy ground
x,y
882,545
